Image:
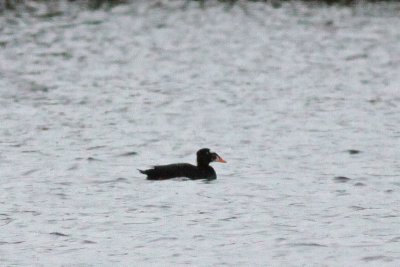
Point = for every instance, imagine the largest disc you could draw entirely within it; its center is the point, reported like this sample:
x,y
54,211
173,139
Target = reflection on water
x,y
301,101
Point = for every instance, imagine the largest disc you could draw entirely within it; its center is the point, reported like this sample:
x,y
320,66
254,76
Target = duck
x,y
202,170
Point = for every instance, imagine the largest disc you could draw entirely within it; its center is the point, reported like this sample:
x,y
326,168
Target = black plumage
x,y
203,170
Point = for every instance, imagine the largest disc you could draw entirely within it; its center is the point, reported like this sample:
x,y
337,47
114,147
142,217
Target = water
x,y
284,95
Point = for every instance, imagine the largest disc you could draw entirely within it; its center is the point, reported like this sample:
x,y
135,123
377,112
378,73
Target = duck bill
x,y
219,159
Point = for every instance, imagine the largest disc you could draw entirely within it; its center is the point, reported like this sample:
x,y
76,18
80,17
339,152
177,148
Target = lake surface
x,y
303,102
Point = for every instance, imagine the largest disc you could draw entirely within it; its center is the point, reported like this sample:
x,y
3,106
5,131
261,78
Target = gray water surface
x,y
303,102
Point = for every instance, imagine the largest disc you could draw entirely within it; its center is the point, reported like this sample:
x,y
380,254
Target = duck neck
x,y
202,164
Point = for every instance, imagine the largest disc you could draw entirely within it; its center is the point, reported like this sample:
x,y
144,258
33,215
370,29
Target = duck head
x,y
205,157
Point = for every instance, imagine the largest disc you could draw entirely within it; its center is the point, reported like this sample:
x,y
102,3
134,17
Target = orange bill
x,y
219,159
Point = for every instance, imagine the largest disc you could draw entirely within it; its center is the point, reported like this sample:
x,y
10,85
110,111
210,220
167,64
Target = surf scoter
x,y
202,171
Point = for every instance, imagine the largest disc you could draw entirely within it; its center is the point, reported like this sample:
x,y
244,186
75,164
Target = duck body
x,y
202,171
187,170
